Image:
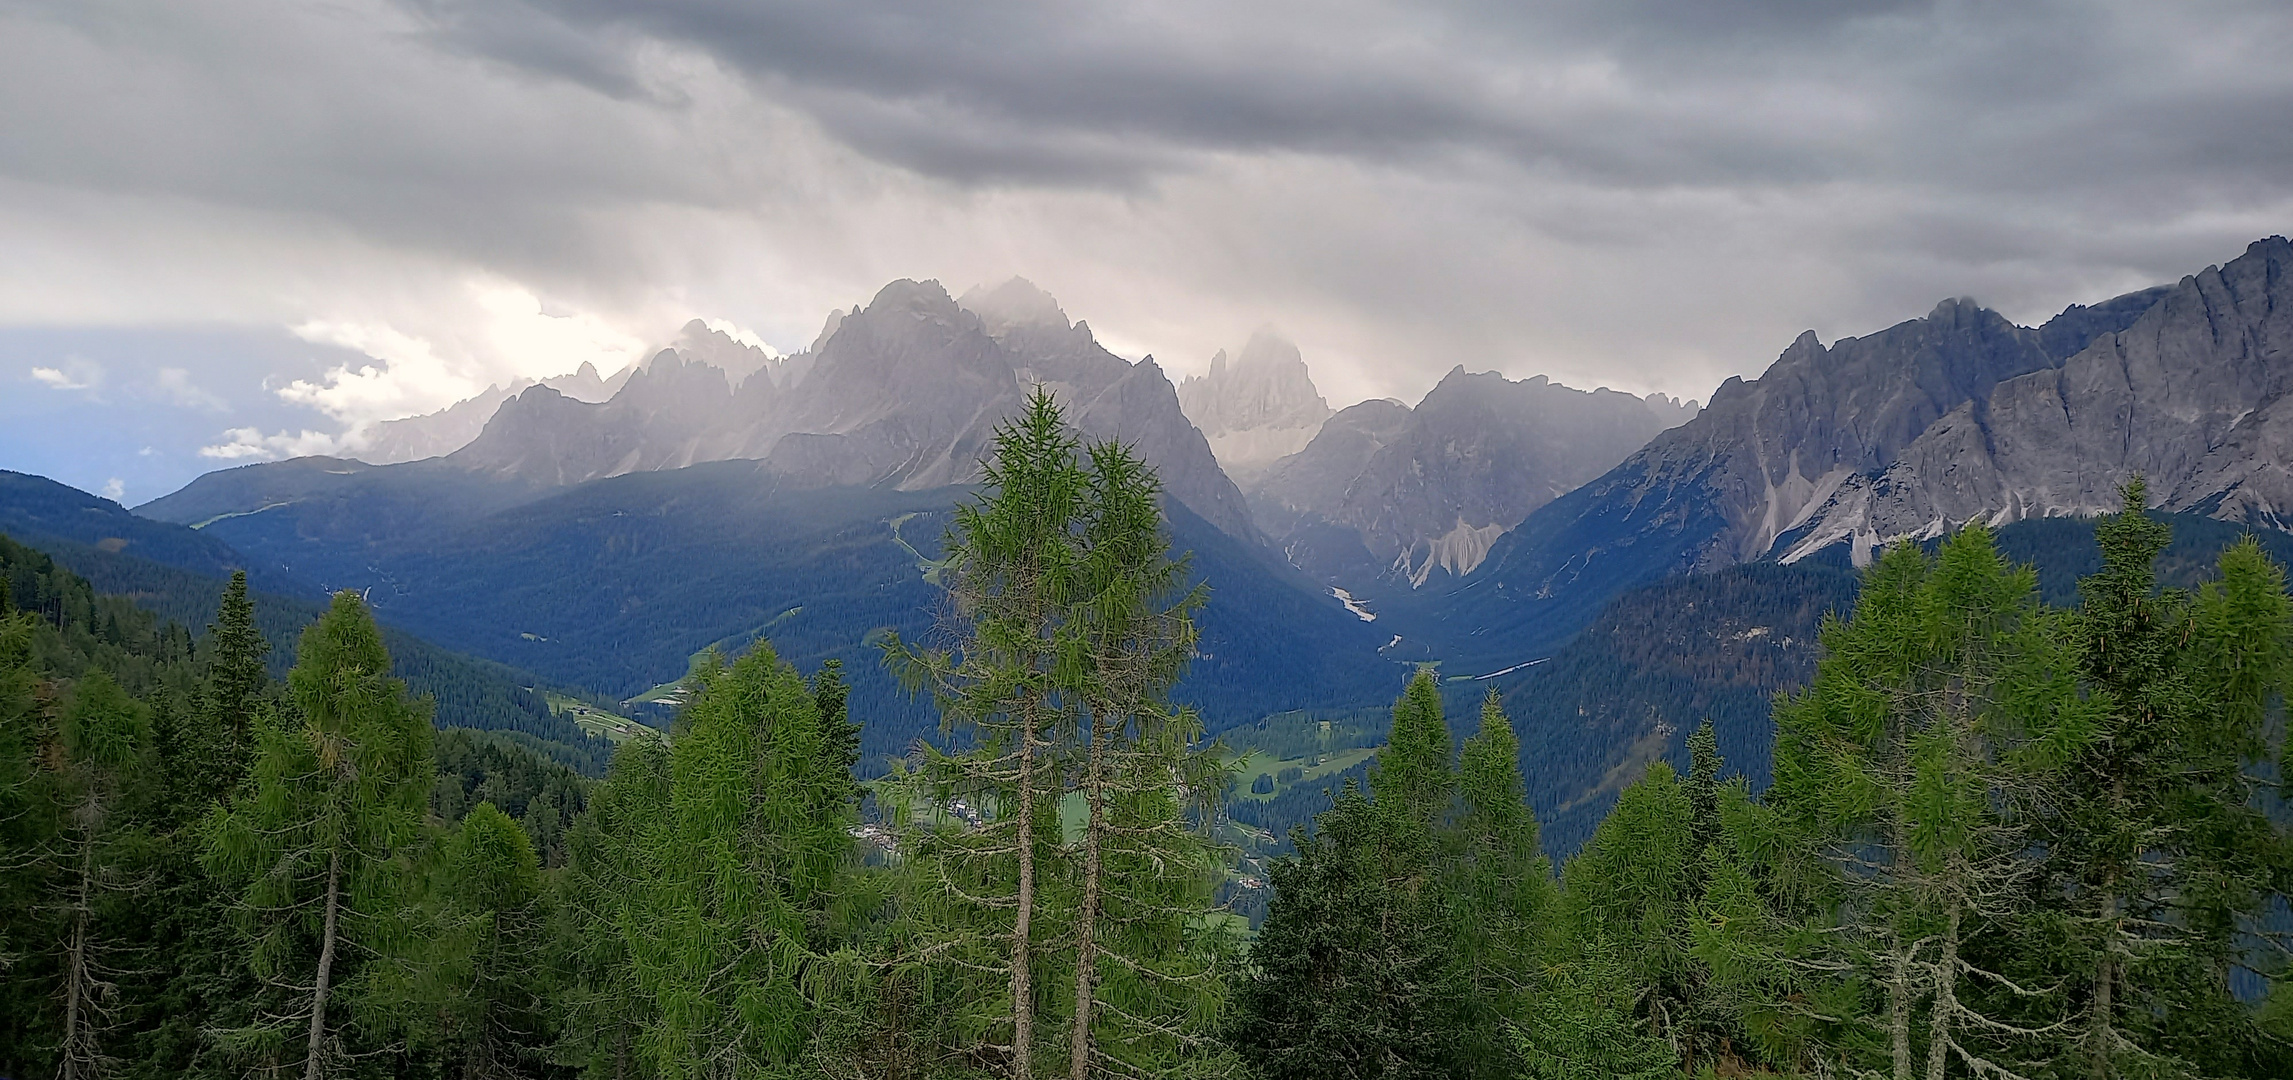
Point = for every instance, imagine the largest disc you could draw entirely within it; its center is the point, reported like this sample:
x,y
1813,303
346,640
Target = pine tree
x,y
340,797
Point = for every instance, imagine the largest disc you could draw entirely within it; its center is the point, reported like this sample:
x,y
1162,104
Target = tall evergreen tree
x,y
1355,970
1147,874
1012,558
101,784
741,871
2165,860
319,848
1502,889
602,909
1913,764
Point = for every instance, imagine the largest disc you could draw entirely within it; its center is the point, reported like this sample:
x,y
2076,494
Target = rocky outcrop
x,y
2191,394
1257,410
904,393
1924,426
1427,491
453,427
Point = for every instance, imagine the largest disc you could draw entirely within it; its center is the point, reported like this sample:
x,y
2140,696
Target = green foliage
x,y
319,847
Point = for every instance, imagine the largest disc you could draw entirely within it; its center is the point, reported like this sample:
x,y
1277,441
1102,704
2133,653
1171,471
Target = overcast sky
x,y
251,226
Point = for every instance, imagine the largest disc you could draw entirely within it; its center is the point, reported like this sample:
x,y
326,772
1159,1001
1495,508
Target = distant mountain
x,y
1913,430
905,393
1261,408
451,428
1416,495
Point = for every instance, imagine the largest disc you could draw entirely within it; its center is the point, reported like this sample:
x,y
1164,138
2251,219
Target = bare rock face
x,y
1932,423
2191,395
905,392
453,427
1428,491
1257,410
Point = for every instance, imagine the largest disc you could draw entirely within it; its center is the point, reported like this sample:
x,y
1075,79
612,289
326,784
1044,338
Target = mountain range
x,y
601,533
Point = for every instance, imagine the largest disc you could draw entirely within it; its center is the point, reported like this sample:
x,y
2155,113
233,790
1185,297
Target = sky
x,y
244,229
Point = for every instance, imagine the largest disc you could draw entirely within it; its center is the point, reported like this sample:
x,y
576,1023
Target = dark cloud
x,y
1649,193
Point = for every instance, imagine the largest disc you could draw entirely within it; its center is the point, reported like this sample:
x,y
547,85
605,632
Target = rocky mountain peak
x,y
1017,302
701,342
1257,408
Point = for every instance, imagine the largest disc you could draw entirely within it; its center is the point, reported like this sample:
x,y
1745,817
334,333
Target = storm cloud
x,y
1638,194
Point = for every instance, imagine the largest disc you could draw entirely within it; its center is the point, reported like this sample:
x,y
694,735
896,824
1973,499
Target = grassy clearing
x,y
597,721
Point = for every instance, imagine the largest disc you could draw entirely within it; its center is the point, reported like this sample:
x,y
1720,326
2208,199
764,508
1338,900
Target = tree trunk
x,y
1022,990
316,1052
1946,1003
76,965
2100,1036
1086,920
1899,1012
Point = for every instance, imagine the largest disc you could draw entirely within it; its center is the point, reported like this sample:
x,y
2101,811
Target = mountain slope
x,y
1745,478
179,574
1425,492
613,585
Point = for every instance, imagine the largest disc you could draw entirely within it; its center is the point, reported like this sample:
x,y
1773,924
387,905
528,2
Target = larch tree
x,y
1937,722
1501,886
319,848
740,872
2164,857
1012,557
1147,869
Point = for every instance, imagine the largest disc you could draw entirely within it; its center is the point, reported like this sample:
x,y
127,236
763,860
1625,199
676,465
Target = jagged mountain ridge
x,y
1258,409
1427,491
449,429
904,392
1911,430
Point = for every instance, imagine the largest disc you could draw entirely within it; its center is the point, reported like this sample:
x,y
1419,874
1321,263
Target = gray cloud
x,y
1649,194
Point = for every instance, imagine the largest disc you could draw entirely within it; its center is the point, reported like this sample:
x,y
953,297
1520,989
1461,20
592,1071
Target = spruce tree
x,y
1355,971
318,849
100,785
235,678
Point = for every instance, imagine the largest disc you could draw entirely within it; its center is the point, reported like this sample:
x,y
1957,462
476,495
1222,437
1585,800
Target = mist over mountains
x,y
601,532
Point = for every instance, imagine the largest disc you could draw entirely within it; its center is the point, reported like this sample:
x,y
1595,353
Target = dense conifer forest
x,y
2003,832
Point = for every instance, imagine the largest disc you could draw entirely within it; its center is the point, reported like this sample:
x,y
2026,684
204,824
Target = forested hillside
x,y
2005,838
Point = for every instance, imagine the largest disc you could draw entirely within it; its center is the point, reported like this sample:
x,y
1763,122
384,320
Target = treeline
x,y
2004,840
468,692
